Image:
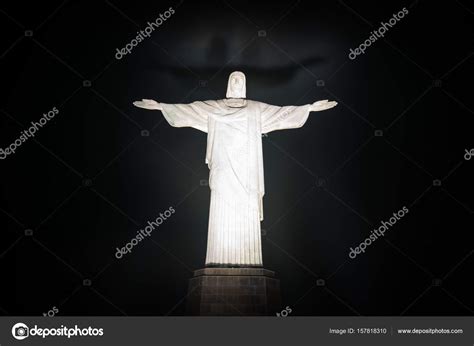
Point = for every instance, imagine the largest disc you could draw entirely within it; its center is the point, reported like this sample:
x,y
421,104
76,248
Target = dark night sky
x,y
90,178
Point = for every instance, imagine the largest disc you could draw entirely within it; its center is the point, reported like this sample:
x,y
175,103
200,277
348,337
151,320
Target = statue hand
x,y
148,104
322,105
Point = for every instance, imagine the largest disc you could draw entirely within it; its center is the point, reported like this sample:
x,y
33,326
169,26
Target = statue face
x,y
236,85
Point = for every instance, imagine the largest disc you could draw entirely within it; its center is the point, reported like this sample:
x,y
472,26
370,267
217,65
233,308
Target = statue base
x,y
233,292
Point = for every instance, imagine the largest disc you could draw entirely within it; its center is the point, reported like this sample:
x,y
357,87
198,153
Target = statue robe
x,y
235,160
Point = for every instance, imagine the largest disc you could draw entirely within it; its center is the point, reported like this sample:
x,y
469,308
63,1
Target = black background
x,y
92,177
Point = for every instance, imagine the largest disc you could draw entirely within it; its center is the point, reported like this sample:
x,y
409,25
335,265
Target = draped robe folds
x,y
235,160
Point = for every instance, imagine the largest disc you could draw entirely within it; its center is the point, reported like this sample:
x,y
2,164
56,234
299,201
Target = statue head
x,y
236,86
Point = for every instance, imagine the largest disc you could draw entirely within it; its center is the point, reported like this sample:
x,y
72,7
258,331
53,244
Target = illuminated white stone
x,y
234,128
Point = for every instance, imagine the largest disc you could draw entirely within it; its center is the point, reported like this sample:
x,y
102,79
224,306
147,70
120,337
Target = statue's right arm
x,y
148,104
193,114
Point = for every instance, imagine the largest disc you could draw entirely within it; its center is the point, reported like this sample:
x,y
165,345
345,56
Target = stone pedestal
x,y
233,292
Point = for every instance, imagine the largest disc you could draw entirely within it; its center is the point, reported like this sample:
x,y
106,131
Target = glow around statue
x,y
234,128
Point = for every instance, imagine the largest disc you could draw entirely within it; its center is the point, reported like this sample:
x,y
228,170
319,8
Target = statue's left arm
x,y
289,117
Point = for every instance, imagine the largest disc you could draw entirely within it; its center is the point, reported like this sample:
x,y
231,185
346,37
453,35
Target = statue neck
x,y
235,103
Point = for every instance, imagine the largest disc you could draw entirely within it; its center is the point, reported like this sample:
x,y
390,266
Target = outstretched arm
x,y
289,117
193,115
322,105
148,104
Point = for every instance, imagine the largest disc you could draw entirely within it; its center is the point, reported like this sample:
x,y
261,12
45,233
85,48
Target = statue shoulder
x,y
206,105
257,104
210,102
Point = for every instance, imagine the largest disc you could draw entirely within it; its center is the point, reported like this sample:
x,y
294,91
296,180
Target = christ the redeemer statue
x,y
234,128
